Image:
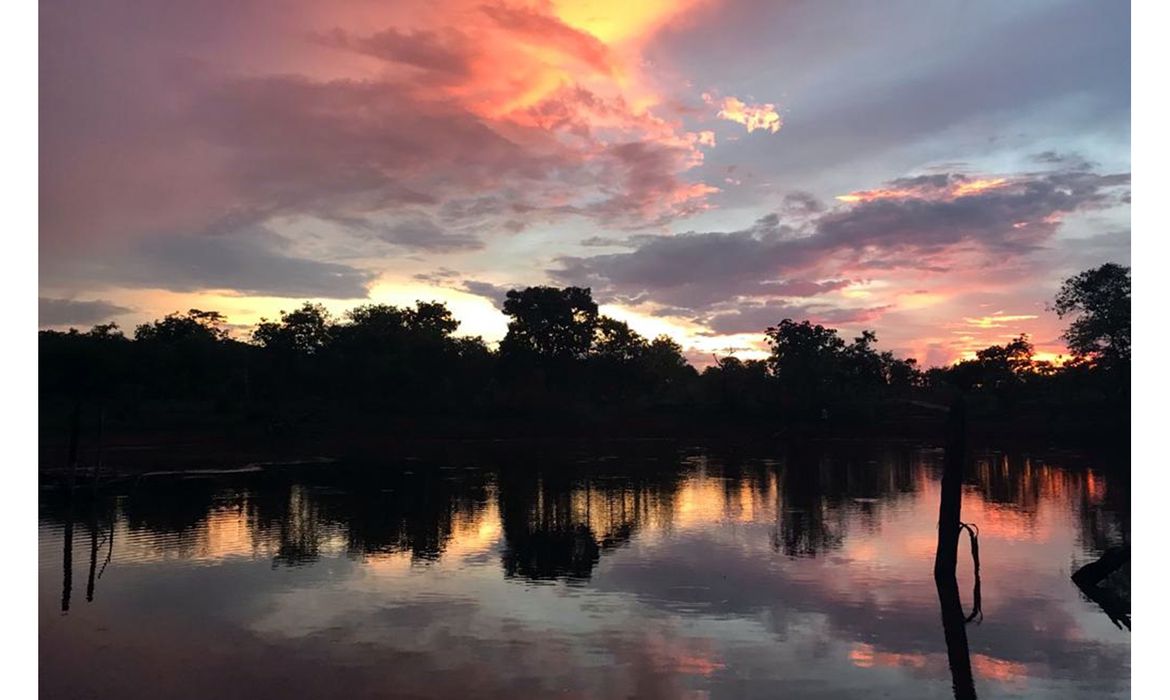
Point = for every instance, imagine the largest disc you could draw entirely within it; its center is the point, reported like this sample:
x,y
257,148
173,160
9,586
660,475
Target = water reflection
x,y
714,573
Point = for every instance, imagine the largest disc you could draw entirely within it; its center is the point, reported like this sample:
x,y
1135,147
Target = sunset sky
x,y
708,167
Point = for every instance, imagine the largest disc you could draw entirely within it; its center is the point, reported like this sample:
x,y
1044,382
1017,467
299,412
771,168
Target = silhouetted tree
x,y
615,341
561,361
187,356
195,325
805,360
550,323
667,370
303,331
1099,299
997,367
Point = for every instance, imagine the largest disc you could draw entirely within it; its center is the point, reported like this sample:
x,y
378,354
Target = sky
x,y
931,171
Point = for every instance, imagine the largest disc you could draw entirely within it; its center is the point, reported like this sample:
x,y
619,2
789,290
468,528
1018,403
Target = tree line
x,y
560,356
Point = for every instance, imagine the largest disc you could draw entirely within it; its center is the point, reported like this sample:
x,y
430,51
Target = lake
x,y
531,570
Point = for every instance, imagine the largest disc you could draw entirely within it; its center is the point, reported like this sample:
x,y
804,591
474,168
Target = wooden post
x,y
946,554
950,502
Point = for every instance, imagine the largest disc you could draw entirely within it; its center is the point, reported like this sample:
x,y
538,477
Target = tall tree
x,y
549,322
1099,302
806,360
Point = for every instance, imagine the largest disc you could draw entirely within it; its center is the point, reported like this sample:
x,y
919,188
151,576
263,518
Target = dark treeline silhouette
x,y
562,361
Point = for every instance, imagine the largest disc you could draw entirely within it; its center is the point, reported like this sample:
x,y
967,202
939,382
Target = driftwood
x,y
1090,577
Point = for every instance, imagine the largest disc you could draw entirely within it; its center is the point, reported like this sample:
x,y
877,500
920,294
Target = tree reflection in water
x,y
821,508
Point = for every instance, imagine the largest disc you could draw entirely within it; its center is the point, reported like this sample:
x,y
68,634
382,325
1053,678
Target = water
x,y
528,572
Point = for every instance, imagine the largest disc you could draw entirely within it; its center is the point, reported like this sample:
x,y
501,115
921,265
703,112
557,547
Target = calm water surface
x,y
528,572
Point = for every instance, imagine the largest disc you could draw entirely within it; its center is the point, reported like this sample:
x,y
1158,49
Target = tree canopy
x,y
550,323
1098,301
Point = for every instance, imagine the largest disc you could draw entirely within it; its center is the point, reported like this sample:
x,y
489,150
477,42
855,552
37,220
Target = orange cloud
x,y
998,320
761,116
927,188
621,21
383,106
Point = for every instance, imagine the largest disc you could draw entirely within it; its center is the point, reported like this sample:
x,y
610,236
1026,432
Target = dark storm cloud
x,y
60,312
924,218
250,262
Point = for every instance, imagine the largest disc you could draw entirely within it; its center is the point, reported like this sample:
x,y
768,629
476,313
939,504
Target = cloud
x,y
997,214
444,54
442,126
549,32
421,233
522,106
998,320
645,187
251,262
61,312
1036,76
452,279
494,292
1069,161
925,223
762,117
802,204
756,317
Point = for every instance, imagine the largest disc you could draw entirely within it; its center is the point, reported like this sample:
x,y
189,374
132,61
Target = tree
x,y
303,331
664,360
806,360
996,367
615,341
194,325
184,355
900,373
549,322
1099,301
861,365
432,320
800,348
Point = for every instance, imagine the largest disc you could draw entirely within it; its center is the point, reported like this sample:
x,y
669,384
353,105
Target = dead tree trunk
x,y
93,550
946,554
67,561
950,502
